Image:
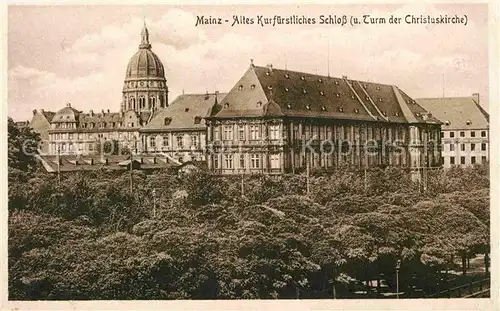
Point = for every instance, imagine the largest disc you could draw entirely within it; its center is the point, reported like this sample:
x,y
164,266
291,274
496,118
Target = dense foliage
x,y
197,237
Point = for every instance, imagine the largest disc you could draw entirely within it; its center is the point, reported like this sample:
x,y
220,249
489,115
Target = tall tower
x,y
145,87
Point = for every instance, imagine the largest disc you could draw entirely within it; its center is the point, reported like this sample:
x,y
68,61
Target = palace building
x,y
272,121
465,131
179,130
282,121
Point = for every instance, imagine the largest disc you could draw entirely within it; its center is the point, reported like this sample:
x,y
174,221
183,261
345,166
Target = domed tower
x,y
145,87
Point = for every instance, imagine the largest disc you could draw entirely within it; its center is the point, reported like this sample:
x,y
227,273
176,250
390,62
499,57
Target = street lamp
x,y
398,265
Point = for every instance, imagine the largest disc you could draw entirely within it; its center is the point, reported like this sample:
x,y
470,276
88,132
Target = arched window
x,y
142,102
152,102
132,102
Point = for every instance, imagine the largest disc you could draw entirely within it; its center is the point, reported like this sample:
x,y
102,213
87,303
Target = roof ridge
x,y
319,75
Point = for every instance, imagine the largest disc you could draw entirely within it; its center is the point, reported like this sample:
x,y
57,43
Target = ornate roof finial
x,y
145,37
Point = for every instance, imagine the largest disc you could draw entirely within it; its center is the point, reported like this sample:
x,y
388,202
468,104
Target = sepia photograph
x,y
295,152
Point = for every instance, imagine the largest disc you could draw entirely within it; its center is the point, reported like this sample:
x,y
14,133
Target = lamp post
x,y
398,265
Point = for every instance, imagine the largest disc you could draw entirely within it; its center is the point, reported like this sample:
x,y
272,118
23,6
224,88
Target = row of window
x,y
131,102
69,125
81,136
194,141
473,160
63,147
254,132
462,134
308,131
229,161
472,147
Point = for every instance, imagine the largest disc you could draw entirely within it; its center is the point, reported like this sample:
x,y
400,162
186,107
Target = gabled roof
x,y
298,94
185,112
48,115
455,112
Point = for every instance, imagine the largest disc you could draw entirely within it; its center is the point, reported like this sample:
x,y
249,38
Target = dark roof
x,y
70,163
185,112
101,117
455,112
48,115
66,114
298,94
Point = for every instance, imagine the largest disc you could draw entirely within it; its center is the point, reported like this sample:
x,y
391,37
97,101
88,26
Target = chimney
x,y
68,104
207,96
34,112
216,93
108,111
102,110
121,114
475,97
42,111
91,112
270,67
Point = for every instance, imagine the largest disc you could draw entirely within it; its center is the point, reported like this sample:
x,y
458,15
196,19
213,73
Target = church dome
x,y
145,63
145,87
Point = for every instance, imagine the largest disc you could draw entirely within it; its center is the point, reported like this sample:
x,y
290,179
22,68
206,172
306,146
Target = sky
x,y
78,54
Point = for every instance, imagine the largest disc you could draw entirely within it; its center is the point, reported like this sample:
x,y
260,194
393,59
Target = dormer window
x,y
240,87
286,89
341,109
338,94
186,109
308,107
378,88
380,99
323,108
304,91
396,114
364,85
321,93
302,78
384,113
197,120
226,105
468,122
366,97
287,76
259,104
417,114
252,87
289,106
267,73
336,82
320,80
352,96
269,87
166,121
447,122
356,110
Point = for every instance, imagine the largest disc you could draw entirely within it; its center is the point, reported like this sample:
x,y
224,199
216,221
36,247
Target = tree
x,y
22,146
